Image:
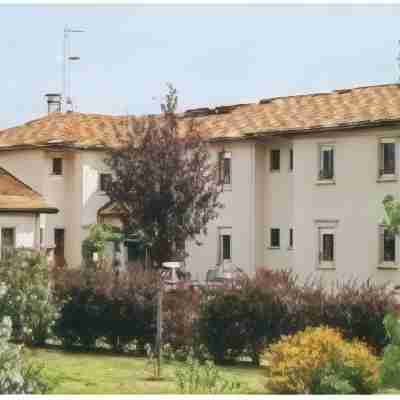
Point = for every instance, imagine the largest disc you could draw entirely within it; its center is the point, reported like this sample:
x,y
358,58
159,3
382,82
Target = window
x,y
387,157
291,160
275,160
290,238
326,168
326,246
105,181
57,166
7,242
388,246
224,245
225,167
41,237
275,237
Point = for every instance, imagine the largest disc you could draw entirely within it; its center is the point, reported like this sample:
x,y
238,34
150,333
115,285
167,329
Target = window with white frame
x,y
275,240
387,157
326,247
387,246
275,160
326,162
225,168
224,245
7,242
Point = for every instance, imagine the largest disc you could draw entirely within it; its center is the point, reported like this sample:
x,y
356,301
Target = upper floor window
x,y
275,160
104,182
387,157
275,238
291,160
225,167
57,168
326,162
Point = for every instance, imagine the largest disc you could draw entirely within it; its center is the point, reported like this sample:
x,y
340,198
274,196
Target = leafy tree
x,y
164,180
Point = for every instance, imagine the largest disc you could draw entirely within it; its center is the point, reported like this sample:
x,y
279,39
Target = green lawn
x,y
94,373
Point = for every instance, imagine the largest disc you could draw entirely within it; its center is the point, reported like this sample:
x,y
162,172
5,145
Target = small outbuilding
x,y
20,210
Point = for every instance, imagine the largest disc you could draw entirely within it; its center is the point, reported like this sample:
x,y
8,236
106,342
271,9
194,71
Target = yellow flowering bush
x,y
320,360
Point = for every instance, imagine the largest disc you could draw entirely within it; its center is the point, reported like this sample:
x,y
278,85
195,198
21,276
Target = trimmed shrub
x,y
320,360
27,296
102,304
241,319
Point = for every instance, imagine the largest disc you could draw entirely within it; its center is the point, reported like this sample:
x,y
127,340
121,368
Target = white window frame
x,y
387,264
326,227
226,155
381,175
223,231
270,160
321,148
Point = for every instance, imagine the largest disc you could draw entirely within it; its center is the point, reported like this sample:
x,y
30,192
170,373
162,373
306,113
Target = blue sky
x,y
212,54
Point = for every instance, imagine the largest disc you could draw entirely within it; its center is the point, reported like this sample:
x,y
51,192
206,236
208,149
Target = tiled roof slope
x,y
17,196
357,107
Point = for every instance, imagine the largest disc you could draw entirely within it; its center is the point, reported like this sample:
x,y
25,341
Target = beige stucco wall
x,y
355,201
24,225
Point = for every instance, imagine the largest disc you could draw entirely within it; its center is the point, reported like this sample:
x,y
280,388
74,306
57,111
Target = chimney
x,y
53,102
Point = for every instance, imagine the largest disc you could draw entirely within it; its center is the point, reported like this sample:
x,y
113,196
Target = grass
x,y
96,373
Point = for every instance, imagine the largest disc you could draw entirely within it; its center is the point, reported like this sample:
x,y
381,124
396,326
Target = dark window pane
x,y
291,160
275,160
327,164
291,237
226,247
227,171
388,158
389,247
57,166
105,180
327,247
275,237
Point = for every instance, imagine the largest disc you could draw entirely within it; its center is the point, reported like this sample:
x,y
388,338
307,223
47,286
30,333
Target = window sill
x,y
274,247
325,182
274,171
227,188
56,175
290,248
326,267
388,266
387,178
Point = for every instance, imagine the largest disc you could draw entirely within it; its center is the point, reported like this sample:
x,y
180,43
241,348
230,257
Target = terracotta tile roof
x,y
362,106
16,196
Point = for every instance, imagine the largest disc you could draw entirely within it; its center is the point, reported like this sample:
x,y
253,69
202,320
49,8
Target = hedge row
x,y
232,321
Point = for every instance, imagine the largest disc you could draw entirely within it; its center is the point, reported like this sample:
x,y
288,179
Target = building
x,y
20,210
304,179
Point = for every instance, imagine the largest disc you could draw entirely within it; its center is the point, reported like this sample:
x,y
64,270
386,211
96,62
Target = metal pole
x,y
159,327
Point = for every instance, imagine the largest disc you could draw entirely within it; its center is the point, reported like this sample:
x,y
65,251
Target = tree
x,y
391,217
164,180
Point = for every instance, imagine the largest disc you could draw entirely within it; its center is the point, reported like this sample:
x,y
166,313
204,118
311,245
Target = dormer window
x,y
57,168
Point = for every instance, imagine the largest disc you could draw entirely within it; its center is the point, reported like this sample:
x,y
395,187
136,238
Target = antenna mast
x,y
66,71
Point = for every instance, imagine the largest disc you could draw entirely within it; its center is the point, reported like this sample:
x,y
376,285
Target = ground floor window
x,y
388,246
326,243
224,245
7,242
275,238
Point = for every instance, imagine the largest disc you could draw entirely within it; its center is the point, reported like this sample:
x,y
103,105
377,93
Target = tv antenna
x,y
67,104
